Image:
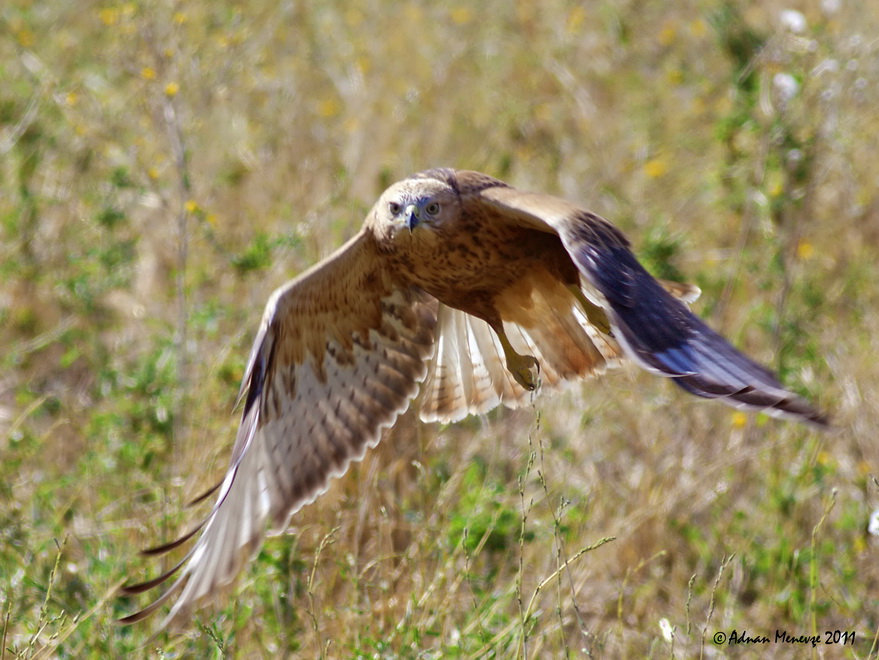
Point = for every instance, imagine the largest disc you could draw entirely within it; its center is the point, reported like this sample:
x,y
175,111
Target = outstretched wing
x,y
468,375
338,357
654,329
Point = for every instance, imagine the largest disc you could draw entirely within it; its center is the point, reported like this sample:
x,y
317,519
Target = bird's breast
x,y
472,268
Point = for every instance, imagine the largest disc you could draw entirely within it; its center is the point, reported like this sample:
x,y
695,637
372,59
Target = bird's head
x,y
418,209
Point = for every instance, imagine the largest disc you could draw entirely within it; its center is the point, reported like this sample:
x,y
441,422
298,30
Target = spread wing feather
x,y
655,330
338,357
468,375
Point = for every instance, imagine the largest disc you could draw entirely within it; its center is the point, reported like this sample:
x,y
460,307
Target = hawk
x,y
471,290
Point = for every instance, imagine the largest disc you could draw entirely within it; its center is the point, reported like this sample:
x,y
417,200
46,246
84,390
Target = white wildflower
x,y
828,65
830,6
786,86
792,20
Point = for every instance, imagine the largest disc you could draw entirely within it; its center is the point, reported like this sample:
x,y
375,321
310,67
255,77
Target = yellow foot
x,y
525,369
593,312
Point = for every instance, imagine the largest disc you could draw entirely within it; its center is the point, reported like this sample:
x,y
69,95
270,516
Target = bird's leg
x,y
525,368
593,312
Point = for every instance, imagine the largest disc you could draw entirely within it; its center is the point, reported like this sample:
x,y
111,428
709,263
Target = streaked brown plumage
x,y
470,289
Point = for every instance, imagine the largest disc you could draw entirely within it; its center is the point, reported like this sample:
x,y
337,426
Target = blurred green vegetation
x,y
164,166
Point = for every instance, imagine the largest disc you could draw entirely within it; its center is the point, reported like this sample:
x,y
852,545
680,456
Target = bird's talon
x,y
595,314
525,370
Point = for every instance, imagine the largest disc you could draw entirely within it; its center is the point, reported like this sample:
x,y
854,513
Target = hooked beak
x,y
413,217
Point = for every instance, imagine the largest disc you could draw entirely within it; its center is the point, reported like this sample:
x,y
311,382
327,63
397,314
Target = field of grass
x,y
165,165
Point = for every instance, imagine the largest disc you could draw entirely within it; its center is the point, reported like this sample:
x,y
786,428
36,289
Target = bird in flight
x,y
471,290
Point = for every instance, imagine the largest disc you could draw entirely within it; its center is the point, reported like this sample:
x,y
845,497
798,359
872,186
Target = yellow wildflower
x,y
698,28
328,108
25,37
675,76
667,34
805,250
461,15
576,18
109,15
655,168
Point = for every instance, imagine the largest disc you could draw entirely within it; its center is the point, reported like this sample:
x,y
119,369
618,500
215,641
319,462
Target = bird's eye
x,y
432,208
394,208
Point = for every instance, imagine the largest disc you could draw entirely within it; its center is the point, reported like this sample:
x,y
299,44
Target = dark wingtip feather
x,y
210,491
136,617
167,547
152,607
662,335
140,587
788,406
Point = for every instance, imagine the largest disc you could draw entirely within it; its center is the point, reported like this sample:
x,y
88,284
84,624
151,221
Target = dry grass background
x,y
166,165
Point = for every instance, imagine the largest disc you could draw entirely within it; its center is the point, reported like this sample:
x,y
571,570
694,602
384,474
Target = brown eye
x,y
432,208
394,208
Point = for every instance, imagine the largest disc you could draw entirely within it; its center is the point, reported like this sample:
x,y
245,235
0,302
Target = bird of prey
x,y
472,290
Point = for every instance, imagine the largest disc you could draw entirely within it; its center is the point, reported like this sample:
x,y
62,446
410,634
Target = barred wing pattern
x,y
467,375
311,408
